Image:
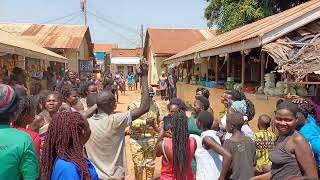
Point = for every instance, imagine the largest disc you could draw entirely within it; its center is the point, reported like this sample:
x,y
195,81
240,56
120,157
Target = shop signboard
x,y
85,68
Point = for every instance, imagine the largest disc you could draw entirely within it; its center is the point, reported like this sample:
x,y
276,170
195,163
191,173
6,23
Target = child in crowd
x,y
242,149
209,153
264,140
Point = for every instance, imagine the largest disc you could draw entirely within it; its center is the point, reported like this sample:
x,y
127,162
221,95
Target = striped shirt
x,y
264,141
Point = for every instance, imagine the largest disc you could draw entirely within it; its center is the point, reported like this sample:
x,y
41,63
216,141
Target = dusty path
x,y
124,101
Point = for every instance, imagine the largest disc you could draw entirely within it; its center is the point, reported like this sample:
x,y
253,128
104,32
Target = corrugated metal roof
x,y
49,35
126,52
253,30
12,44
172,41
107,48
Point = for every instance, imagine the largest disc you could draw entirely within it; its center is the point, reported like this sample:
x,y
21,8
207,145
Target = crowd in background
x,y
71,131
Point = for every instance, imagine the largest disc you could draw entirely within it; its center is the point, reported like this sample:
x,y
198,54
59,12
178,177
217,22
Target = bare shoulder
x,y
297,138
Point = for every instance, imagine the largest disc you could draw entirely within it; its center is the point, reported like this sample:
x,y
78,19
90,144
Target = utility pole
x,y
142,44
84,11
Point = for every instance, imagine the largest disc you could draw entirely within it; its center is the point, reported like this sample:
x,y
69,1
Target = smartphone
x,y
166,122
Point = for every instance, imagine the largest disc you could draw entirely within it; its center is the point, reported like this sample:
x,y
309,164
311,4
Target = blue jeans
x,y
173,93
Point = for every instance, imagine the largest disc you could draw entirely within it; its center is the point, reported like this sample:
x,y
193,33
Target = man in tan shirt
x,y
105,148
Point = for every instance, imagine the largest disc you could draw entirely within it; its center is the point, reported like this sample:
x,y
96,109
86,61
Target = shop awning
x,y
12,44
125,60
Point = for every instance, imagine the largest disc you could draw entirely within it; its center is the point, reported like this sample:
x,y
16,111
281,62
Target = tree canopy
x,y
230,14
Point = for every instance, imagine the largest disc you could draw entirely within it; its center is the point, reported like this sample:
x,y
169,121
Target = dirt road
x,y
124,101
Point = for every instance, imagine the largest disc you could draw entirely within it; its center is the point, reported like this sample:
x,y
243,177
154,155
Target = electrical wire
x,y
76,16
117,33
109,19
114,23
60,18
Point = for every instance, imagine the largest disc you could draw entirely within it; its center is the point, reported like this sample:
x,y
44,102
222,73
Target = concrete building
x,y
125,60
160,44
70,41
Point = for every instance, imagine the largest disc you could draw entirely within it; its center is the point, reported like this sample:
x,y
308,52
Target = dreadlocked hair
x,y
25,107
63,140
180,141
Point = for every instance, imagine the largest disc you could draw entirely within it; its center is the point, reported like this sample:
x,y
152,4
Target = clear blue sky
x,y
117,19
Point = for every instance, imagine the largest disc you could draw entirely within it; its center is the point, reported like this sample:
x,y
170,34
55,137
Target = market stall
x,y
18,52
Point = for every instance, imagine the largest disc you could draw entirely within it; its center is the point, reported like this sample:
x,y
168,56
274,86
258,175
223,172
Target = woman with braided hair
x,y
177,151
63,149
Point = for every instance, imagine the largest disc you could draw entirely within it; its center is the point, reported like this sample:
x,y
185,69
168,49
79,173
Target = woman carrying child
x,y
292,155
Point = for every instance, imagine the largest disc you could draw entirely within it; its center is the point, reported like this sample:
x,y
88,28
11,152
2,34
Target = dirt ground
x,y
124,101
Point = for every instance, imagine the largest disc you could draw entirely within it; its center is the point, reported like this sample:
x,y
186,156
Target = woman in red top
x,y
177,151
25,115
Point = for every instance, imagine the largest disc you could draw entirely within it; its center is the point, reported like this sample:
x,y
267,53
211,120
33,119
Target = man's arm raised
x,y
145,100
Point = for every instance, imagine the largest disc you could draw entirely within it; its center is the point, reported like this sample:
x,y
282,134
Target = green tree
x,y
230,14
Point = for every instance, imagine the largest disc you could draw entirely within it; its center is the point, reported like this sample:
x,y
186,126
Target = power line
x,y
117,33
115,23
109,19
59,18
71,19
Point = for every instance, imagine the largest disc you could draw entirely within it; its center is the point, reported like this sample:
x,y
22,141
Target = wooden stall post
x,y
243,66
216,70
208,63
227,58
262,63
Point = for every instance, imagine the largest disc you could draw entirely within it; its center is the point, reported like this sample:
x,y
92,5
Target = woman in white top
x,y
213,161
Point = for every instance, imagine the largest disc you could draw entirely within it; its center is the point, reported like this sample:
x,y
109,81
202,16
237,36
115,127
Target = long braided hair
x,y
63,140
180,141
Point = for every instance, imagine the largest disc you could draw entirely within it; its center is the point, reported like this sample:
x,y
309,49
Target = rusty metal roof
x,y
12,44
107,48
49,35
172,41
126,52
259,29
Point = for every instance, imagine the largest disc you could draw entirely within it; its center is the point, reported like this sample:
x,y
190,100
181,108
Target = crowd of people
x,y
73,132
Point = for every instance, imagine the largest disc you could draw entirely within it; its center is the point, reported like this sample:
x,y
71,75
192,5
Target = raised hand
x,y
143,67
